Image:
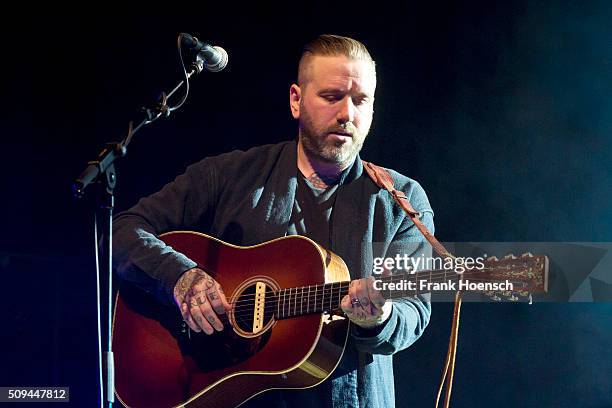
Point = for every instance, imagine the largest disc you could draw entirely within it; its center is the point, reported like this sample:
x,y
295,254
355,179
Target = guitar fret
x,y
395,276
291,301
279,303
295,296
416,280
445,279
386,292
323,298
308,304
282,310
430,276
302,302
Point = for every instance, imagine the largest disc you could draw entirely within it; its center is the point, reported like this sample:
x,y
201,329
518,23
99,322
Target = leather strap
x,y
383,179
449,364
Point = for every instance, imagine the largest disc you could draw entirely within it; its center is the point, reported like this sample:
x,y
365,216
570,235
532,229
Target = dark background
x,y
503,112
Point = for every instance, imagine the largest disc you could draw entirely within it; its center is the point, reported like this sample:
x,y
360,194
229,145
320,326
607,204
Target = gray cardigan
x,y
246,198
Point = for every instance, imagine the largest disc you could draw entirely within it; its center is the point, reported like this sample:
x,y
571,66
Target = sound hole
x,y
246,309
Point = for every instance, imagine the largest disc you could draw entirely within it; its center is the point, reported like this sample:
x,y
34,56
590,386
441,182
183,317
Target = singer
x,y
315,186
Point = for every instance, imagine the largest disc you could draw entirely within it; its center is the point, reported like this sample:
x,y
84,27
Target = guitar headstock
x,y
528,274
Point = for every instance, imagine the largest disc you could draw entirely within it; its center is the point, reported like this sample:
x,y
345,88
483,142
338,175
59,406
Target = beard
x,y
317,142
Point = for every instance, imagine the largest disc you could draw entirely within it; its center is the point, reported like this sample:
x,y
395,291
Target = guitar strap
x,y
383,179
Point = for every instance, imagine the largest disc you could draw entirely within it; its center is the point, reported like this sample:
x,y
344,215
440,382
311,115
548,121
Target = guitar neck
x,y
304,300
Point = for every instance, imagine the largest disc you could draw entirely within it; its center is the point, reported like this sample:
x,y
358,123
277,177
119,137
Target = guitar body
x,y
158,363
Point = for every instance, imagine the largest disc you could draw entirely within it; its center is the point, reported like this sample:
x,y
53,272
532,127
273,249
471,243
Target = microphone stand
x,y
101,173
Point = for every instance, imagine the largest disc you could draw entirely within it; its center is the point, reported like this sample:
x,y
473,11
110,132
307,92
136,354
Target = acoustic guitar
x,y
285,329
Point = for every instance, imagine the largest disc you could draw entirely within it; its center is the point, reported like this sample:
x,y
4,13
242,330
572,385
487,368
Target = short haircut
x,y
331,45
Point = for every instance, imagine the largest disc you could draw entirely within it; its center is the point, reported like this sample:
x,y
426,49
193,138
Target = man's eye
x,y
331,98
361,101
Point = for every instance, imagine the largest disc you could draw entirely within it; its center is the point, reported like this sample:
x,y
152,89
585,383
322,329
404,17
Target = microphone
x,y
214,57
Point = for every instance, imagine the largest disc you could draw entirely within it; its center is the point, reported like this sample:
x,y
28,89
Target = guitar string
x,y
243,317
291,310
411,278
320,292
436,273
241,309
287,303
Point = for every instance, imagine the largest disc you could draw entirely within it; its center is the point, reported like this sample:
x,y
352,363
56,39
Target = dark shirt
x,y
246,198
312,210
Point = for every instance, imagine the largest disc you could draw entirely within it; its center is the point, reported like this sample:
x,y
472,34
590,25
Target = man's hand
x,y
200,299
364,305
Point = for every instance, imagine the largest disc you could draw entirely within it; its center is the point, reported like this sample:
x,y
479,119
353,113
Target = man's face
x,y
334,107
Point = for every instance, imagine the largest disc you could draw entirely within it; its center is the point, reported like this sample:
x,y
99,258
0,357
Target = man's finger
x,y
362,298
376,297
196,314
216,299
210,316
226,304
345,304
187,318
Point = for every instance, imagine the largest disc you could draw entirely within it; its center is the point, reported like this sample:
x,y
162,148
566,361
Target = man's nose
x,y
346,110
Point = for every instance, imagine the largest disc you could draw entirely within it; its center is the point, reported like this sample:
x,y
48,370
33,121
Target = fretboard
x,y
326,297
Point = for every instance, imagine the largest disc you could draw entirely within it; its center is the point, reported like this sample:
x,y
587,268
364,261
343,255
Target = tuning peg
x,y
509,256
527,255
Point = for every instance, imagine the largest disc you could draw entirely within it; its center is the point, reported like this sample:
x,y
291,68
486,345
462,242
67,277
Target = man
x,y
316,187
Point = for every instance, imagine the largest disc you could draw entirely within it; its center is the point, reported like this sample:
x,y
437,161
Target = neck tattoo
x,y
321,181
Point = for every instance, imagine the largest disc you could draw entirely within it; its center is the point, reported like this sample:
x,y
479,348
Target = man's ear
x,y
295,96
